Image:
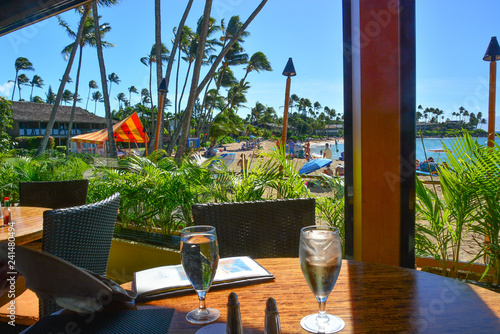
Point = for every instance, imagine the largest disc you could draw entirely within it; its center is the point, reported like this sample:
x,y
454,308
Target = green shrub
x,y
61,148
5,123
31,143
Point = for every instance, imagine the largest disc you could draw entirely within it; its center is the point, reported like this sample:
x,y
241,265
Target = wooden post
x,y
379,49
285,113
491,105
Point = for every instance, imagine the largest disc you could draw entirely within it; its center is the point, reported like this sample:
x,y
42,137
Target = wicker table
x,y
28,224
370,298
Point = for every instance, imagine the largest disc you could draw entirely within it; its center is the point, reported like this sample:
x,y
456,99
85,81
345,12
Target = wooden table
x,y
28,224
370,298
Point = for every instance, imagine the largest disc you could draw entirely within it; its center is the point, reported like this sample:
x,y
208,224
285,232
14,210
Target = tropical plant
x,y
96,97
87,38
196,88
36,81
470,186
50,95
145,97
102,69
52,118
67,96
131,90
121,99
113,78
5,123
21,64
92,85
22,79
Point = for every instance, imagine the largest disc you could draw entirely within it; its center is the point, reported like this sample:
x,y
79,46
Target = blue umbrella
x,y
313,165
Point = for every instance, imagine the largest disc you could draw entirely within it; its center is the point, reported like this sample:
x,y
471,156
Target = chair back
x,y
53,194
259,229
81,235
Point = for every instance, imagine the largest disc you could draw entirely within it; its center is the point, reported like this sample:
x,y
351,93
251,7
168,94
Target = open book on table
x,y
167,280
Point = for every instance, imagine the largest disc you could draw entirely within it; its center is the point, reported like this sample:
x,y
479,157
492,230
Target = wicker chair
x,y
53,194
259,229
81,235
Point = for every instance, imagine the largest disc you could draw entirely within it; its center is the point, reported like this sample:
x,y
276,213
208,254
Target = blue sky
x,y
452,37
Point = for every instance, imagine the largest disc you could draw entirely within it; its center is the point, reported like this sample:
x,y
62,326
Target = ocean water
x,y
429,143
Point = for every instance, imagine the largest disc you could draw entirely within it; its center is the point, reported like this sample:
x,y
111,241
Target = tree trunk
x,y
229,45
172,56
195,92
102,68
71,117
152,127
50,124
188,112
159,67
15,83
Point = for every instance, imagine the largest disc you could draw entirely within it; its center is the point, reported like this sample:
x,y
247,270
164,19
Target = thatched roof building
x,y
30,119
30,111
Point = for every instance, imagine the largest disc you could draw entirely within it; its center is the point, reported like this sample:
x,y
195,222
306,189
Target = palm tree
x,y
113,78
67,96
145,98
257,112
121,98
88,38
96,97
22,79
51,96
52,119
36,81
131,90
21,64
149,60
102,69
196,88
92,85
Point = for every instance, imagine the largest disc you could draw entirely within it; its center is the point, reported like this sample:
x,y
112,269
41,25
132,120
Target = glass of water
x,y
200,257
320,255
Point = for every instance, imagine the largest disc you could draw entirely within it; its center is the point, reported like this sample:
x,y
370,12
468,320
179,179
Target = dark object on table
x,y
259,229
81,235
272,322
53,278
53,194
151,321
234,325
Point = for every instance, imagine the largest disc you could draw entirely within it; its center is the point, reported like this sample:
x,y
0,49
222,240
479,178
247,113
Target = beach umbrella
x,y
313,165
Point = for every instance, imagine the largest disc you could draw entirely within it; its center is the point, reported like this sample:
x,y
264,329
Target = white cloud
x,y
6,88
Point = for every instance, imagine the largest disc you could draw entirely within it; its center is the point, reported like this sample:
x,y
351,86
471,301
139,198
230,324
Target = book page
x,y
173,277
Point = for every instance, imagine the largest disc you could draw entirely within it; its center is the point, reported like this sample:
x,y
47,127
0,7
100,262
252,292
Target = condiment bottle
x,y
7,214
272,321
234,325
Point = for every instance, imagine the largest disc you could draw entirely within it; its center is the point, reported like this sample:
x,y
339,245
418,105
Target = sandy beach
x,y
267,146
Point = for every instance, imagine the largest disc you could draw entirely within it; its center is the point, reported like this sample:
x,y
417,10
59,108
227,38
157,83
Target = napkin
x,y
72,287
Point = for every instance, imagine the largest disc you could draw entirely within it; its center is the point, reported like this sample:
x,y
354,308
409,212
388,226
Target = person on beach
x,y
243,163
307,146
291,148
328,152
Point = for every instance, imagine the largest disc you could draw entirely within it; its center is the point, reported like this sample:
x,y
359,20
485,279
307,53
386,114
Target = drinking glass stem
x,y
201,297
322,310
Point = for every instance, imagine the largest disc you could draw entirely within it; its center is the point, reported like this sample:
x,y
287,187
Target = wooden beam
x,y
16,14
382,141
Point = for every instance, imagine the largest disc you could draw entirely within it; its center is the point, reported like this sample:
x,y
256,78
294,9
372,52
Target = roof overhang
x,y
16,14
